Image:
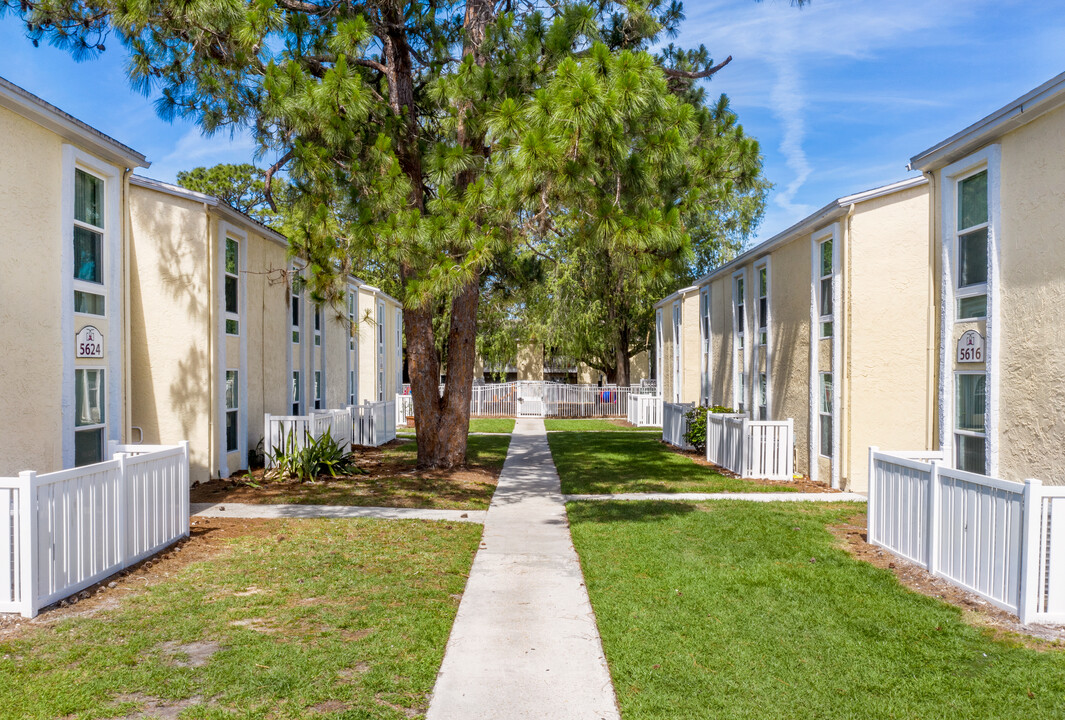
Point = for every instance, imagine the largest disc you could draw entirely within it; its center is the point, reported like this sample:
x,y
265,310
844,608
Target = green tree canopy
x,y
243,188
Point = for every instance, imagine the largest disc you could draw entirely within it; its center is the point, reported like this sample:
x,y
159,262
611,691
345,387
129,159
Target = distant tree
x,y
242,187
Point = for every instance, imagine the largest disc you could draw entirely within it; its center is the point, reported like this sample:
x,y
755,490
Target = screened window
x,y
318,326
296,393
704,343
763,305
89,416
825,290
317,390
232,287
88,241
970,400
295,318
380,351
740,314
232,412
971,247
825,417
763,401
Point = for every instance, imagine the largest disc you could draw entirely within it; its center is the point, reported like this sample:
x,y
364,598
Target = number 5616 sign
x,y
971,347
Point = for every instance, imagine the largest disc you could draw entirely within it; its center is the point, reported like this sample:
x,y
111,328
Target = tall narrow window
x,y
295,318
317,390
660,382
825,289
351,320
232,287
351,387
825,430
399,350
763,398
704,346
353,355
380,351
318,326
89,228
971,247
740,313
763,305
739,305
676,351
89,416
970,440
296,393
232,412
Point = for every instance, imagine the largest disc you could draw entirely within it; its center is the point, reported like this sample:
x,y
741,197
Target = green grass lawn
x,y
635,461
492,425
750,610
593,425
301,619
487,451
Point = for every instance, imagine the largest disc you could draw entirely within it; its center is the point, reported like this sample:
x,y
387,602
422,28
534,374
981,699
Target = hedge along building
x,y
220,337
999,258
63,311
827,323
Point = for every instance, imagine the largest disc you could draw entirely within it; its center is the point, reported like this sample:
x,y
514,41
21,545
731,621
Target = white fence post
x,y
789,449
935,499
871,529
746,448
27,501
1027,602
185,484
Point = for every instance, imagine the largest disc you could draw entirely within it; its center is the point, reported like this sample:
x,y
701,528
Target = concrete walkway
x,y
751,497
248,510
525,643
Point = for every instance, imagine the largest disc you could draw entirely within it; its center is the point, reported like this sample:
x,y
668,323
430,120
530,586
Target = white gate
x,y
530,399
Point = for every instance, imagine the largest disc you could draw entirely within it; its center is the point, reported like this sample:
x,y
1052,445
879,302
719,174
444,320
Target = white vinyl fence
x,y
369,424
534,398
645,410
751,448
64,531
675,424
585,401
990,536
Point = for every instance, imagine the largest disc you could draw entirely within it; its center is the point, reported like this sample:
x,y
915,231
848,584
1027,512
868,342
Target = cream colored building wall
x,y
690,374
367,329
268,328
531,361
1032,281
336,347
789,342
171,342
889,331
721,351
666,381
639,367
30,297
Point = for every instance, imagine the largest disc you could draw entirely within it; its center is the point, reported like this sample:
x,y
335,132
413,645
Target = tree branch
x,y
697,75
268,179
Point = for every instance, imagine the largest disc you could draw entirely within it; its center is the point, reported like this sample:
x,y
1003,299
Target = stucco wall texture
x,y
1032,293
30,297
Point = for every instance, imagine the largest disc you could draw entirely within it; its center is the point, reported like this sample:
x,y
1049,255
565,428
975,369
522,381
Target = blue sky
x,y
840,94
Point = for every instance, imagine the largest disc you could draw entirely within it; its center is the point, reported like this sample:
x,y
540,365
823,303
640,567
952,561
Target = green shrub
x,y
696,434
320,456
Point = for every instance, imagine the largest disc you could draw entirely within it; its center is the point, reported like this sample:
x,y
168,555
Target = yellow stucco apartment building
x,y
998,239
155,314
830,323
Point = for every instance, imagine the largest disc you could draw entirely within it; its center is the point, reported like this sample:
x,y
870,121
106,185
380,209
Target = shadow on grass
x,y
626,511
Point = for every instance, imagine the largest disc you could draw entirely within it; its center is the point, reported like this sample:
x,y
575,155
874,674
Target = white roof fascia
x,y
1028,107
33,108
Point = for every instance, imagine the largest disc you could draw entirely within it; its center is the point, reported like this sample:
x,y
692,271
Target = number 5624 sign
x,y
89,343
971,347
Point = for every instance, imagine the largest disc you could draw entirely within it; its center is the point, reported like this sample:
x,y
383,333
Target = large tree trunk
x,y
621,356
443,421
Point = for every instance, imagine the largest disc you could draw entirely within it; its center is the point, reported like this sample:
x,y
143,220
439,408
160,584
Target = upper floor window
x,y
827,268
740,312
89,228
351,319
704,342
295,318
232,287
763,304
318,326
971,247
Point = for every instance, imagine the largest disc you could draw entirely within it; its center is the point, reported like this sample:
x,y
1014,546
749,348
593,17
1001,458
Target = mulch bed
x,y
975,610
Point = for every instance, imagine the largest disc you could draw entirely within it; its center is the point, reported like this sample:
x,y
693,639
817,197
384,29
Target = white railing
x,y
992,537
369,424
404,409
585,401
64,531
535,398
494,400
675,424
645,410
751,448
648,384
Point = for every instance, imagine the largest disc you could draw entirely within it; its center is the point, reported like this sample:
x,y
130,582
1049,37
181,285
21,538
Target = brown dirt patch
x,y
975,610
330,706
803,484
190,655
390,481
209,537
155,708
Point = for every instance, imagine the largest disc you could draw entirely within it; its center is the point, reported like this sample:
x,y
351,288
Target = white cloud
x,y
194,149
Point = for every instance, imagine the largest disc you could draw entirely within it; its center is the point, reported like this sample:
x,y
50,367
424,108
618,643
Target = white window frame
x,y
739,294
704,345
677,319
956,431
295,311
102,389
762,348
317,326
227,411
987,158
822,320
319,389
830,414
232,316
961,293
88,286
380,350
296,397
353,353
399,349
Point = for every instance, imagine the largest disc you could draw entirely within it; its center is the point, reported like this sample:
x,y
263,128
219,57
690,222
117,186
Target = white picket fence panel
x,y
645,410
404,409
535,398
990,536
675,424
64,531
761,449
369,424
